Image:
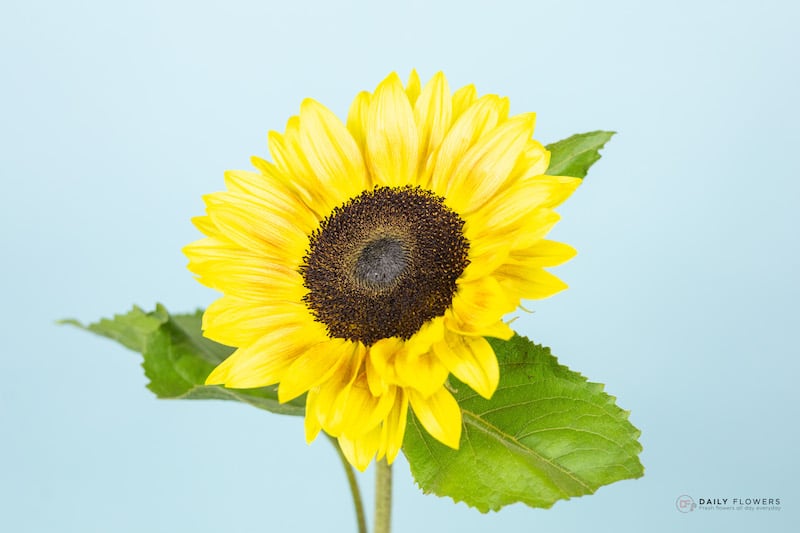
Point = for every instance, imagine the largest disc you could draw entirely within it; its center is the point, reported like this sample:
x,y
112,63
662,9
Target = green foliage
x,y
132,329
574,155
547,434
177,358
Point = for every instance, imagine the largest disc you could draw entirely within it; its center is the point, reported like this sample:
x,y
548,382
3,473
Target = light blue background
x,y
118,116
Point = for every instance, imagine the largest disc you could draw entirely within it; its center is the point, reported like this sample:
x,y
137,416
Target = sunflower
x,y
369,260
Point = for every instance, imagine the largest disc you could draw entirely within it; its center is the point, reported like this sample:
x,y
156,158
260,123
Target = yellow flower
x,y
367,262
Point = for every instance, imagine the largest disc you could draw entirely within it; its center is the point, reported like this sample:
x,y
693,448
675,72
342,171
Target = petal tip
x,y
218,376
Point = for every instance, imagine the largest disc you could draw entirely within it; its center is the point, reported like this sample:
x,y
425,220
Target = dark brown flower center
x,y
384,263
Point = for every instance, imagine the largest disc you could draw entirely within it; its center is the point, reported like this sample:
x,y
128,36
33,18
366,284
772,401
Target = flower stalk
x,y
354,490
383,496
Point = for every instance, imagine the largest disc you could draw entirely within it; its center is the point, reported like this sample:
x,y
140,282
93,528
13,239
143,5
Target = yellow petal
x,y
433,114
543,253
532,162
394,361
556,189
480,118
334,393
412,89
529,283
478,303
290,163
462,99
498,330
439,414
331,151
205,225
263,282
535,192
472,360
283,153
507,211
263,362
255,228
536,225
359,451
423,372
212,254
357,119
293,164
328,407
311,424
237,321
380,364
313,367
392,139
271,195
362,411
430,332
394,428
290,182
484,169
487,252
485,256
233,270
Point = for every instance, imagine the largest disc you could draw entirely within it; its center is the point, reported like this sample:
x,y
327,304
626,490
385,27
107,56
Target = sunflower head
x,y
369,259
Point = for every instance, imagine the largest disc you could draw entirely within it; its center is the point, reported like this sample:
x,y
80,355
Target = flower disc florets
x,y
384,263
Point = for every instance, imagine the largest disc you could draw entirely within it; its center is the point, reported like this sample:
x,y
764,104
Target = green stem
x,y
351,480
383,497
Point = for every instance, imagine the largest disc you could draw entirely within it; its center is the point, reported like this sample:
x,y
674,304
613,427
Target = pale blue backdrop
x,y
118,116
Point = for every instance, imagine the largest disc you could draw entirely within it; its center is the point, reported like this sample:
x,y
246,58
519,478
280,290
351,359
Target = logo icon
x,y
685,503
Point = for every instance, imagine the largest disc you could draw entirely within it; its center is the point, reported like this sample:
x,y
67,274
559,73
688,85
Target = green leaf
x,y
177,358
132,329
574,155
547,434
